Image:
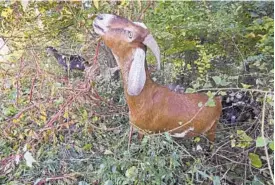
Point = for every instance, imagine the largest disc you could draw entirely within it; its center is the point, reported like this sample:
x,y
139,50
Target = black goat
x,y
73,61
239,107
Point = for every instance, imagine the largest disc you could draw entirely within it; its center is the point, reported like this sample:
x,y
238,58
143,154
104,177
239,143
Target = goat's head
x,y
128,39
50,50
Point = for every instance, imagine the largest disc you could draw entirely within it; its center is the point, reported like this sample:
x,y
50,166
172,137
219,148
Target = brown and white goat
x,y
153,108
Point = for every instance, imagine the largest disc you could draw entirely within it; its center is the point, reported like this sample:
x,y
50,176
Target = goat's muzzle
x,y
101,23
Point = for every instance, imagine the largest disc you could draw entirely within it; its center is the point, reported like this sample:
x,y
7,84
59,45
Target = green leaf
x,y
210,103
6,12
168,136
197,139
82,183
204,174
59,101
13,182
190,90
246,86
243,135
87,147
250,35
216,180
244,140
94,119
261,141
108,152
96,3
145,140
132,173
217,80
9,111
224,83
108,182
84,115
255,160
207,85
210,94
256,181
271,145
222,93
29,159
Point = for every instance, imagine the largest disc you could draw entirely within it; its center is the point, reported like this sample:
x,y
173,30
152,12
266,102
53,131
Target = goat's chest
x,y
140,111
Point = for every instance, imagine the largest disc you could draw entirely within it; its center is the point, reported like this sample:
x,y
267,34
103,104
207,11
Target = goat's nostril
x,y
100,17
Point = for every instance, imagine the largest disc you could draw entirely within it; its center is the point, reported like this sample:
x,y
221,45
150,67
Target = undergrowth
x,y
83,138
60,128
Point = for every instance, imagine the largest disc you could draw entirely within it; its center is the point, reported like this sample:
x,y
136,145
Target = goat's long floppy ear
x,y
137,75
151,43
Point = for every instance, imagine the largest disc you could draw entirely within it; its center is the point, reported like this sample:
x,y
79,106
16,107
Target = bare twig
x,y
224,175
32,87
106,129
59,113
130,136
265,144
96,52
10,158
231,160
38,71
144,10
49,179
242,89
23,110
18,80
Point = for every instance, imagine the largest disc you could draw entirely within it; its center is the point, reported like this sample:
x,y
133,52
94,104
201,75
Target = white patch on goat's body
x,y
183,134
137,75
141,24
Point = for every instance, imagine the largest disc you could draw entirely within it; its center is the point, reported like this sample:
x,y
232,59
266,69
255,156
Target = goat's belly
x,y
178,127
156,124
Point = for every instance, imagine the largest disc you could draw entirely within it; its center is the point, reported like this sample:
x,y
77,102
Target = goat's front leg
x,y
140,136
130,136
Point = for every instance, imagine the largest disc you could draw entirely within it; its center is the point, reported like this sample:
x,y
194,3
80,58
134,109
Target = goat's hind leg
x,y
211,133
140,136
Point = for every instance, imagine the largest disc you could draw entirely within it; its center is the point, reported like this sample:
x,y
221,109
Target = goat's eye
x,y
130,34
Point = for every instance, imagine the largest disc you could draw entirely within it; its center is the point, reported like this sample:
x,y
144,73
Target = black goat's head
x,y
51,50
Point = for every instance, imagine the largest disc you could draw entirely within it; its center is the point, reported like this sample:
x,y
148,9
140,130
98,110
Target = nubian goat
x,y
153,108
73,61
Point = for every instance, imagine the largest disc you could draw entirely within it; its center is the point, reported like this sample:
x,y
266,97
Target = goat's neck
x,y
56,55
125,64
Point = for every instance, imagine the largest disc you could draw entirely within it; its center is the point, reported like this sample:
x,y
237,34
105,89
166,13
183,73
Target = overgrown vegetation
x,y
60,128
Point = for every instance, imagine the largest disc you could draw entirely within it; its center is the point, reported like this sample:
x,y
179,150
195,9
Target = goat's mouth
x,y
99,30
